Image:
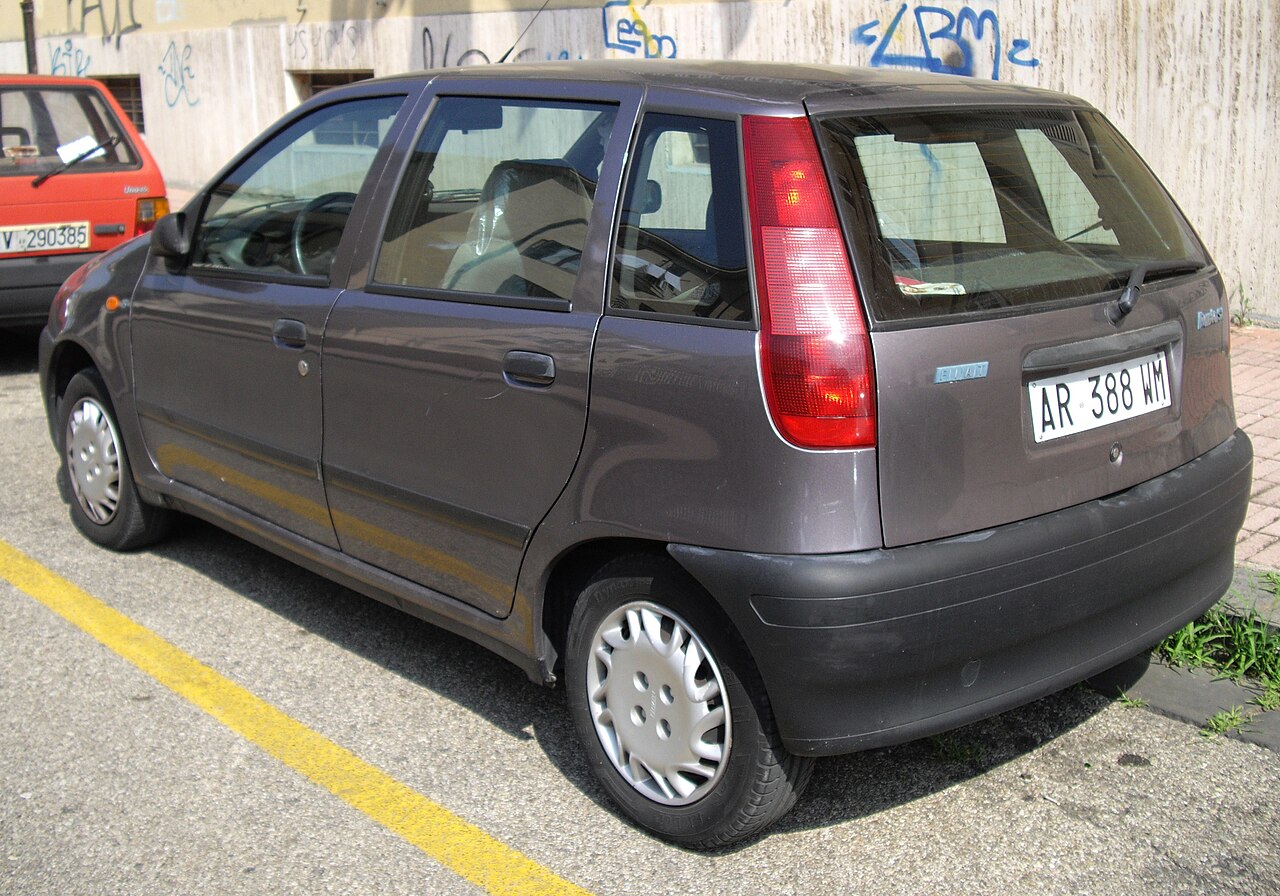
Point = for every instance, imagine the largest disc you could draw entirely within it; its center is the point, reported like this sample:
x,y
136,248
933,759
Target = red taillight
x,y
148,212
815,355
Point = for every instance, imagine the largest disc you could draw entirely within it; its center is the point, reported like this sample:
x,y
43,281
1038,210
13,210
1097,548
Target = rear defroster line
x,y
457,845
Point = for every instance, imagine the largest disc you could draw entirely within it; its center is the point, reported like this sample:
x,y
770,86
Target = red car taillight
x,y
148,212
815,354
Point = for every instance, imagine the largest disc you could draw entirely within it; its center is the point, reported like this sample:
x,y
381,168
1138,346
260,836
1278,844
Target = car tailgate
x,y
961,407
1047,329
106,201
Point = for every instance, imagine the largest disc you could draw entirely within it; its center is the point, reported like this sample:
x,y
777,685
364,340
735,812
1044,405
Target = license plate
x,y
44,237
1078,402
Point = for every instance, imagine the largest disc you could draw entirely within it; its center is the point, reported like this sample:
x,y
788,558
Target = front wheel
x,y
105,504
671,710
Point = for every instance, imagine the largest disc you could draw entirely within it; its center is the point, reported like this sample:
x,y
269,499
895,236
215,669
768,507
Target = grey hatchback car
x,y
777,411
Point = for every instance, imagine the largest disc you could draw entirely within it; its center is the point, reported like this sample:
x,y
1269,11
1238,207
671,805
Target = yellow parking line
x,y
461,847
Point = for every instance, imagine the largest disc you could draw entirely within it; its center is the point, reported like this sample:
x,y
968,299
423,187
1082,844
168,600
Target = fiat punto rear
x,y
776,411
75,180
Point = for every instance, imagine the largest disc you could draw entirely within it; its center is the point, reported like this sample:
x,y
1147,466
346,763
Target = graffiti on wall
x,y
446,55
175,68
339,43
441,53
68,60
942,40
625,30
113,19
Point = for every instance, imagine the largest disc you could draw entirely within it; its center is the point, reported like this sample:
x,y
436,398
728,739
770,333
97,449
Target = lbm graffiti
x,y
946,41
178,75
629,33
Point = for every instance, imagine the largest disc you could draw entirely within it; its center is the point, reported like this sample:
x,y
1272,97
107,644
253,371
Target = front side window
x,y
989,210
42,129
496,198
681,247
283,210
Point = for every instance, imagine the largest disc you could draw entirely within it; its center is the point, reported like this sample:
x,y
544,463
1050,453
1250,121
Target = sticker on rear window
x,y
910,287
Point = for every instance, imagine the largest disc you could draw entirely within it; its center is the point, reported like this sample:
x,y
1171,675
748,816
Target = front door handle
x,y
289,333
529,368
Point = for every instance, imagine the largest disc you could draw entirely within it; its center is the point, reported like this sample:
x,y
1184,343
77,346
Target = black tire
x,y
620,700
105,505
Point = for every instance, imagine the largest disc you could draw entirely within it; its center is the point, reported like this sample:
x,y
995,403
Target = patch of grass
x,y
1222,723
1242,312
1269,699
1272,579
1130,702
1234,646
1197,643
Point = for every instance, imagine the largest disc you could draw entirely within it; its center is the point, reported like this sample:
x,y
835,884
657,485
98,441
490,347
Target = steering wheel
x,y
338,205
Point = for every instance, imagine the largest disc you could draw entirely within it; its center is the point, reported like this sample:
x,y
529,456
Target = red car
x,y
75,180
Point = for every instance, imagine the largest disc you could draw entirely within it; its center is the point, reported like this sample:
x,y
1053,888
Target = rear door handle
x,y
289,333
529,368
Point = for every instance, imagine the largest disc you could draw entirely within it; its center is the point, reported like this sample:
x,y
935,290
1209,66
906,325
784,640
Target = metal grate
x,y
127,89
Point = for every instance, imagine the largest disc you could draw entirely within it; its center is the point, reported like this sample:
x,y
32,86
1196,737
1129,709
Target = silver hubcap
x,y
93,460
658,703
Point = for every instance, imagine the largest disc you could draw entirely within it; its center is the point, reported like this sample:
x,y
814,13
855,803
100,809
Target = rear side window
x,y
994,210
496,198
44,128
681,249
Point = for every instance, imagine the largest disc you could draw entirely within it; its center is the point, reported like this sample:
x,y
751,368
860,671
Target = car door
x,y
226,343
456,377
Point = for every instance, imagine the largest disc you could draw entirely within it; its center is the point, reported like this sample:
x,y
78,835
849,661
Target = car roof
x,y
742,82
10,80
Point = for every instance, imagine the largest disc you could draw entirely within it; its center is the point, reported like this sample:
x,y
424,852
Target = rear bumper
x,y
28,285
880,647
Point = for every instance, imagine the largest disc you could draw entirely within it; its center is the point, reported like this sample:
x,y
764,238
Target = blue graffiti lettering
x,y
178,75
630,34
69,60
946,41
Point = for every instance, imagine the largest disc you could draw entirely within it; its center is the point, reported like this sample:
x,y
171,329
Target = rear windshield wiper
x,y
1133,289
105,144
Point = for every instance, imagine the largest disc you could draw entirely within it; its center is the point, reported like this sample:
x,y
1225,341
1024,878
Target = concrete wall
x,y
1195,86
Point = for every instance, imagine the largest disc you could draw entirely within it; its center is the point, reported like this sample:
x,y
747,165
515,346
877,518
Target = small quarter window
x,y
681,249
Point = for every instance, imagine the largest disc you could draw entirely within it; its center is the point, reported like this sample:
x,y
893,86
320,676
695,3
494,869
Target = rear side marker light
x,y
815,354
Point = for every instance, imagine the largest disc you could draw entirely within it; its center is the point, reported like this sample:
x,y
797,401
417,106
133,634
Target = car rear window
x,y
43,128
994,211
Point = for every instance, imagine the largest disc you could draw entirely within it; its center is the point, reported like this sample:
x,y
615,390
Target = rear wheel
x,y
105,505
671,710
